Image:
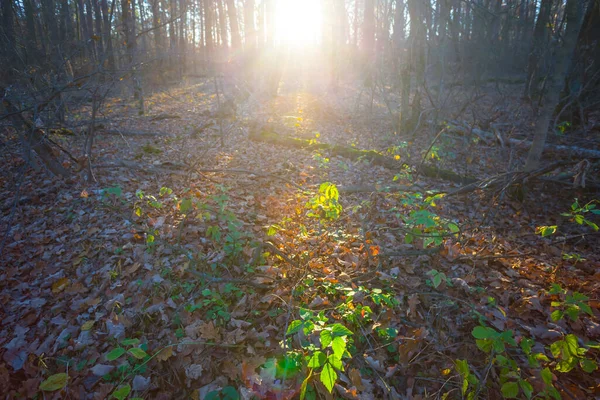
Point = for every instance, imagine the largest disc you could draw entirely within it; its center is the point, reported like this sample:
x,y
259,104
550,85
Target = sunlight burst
x,y
298,22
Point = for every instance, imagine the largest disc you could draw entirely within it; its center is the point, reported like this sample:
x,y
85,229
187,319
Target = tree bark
x,y
574,14
222,25
538,46
107,35
236,41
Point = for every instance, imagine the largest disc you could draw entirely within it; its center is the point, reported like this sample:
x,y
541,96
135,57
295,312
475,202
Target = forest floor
x,y
196,270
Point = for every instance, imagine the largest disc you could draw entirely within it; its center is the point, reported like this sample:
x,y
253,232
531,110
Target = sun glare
x,y
298,22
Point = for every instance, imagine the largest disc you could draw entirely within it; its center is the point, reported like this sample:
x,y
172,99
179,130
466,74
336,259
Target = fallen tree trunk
x,y
524,145
129,133
351,153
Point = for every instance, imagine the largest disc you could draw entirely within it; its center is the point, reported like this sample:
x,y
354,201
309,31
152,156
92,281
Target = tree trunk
x,y
107,34
208,28
222,26
574,14
249,26
31,41
9,48
131,48
99,30
538,47
236,41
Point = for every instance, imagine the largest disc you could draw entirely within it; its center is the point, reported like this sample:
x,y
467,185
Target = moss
x,y
354,154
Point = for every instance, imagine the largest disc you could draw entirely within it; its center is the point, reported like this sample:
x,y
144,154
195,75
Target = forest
x,y
300,199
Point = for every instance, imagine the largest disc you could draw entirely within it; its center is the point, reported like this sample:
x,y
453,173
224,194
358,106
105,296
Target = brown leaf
x,y
356,379
165,354
208,331
60,285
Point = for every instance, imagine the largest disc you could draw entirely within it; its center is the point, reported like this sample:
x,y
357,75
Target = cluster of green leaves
x,y
227,393
437,278
570,304
189,205
470,382
327,358
135,364
578,213
325,204
421,222
321,159
216,304
501,346
510,379
569,353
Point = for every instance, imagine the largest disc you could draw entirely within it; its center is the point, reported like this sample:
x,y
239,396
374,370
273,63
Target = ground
x,y
193,268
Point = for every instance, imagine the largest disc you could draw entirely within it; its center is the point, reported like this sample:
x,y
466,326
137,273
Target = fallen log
x,y
354,154
524,145
119,132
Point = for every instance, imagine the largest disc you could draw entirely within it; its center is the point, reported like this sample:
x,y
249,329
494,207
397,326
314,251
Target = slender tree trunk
x,y
236,41
574,16
182,38
31,41
107,34
131,49
85,30
8,37
99,30
249,26
222,26
540,41
208,28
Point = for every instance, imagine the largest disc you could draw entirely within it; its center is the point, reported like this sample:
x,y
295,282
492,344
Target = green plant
x,y
437,278
578,213
227,393
326,203
573,257
323,161
327,358
572,305
470,382
424,224
568,353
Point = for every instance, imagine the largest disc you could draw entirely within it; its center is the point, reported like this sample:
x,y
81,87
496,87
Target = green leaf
x,y
336,362
588,365
526,387
566,365
185,205
317,360
586,309
462,366
122,392
229,393
546,230
546,376
510,390
340,330
485,345
482,332
338,344
325,338
115,353
54,382
436,278
130,342
294,327
304,384
138,353
556,315
328,377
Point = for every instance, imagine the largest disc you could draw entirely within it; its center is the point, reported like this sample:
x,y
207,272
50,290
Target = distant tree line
x,y
552,45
